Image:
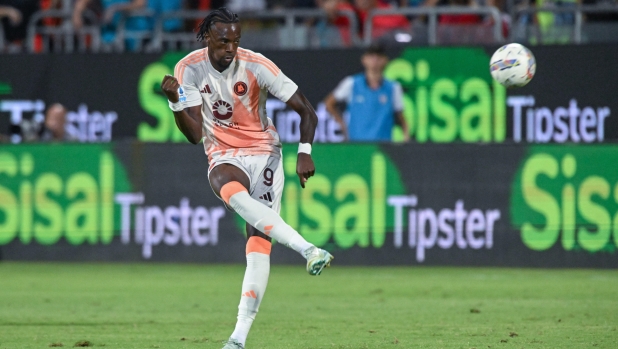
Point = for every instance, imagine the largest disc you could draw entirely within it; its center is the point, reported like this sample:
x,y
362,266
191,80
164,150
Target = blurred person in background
x,y
15,15
469,28
111,14
334,30
459,19
553,27
381,24
412,3
374,103
54,127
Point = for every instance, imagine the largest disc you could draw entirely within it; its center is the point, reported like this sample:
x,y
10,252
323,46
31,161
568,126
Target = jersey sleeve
x,y
270,77
397,97
188,92
343,91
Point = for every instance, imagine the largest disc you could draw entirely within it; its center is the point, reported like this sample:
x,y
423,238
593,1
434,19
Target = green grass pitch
x,y
194,306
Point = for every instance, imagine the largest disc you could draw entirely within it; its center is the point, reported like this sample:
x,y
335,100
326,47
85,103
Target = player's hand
x,y
406,137
304,168
170,87
344,129
346,136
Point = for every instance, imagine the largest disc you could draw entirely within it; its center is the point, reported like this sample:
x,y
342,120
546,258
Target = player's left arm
x,y
308,122
398,108
269,76
401,120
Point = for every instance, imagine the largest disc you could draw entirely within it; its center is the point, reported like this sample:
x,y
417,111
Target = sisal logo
x,y
444,103
345,204
567,196
456,227
171,225
49,193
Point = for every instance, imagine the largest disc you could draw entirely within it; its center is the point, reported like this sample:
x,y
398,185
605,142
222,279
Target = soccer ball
x,y
512,65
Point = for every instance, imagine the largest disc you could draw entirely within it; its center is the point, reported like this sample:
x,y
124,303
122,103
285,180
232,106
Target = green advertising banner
x,y
444,103
449,96
567,196
369,204
49,192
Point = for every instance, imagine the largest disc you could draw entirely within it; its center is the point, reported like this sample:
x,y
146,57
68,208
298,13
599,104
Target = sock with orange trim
x,y
262,217
253,286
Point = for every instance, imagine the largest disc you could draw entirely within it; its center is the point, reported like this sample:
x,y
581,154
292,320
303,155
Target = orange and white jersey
x,y
233,102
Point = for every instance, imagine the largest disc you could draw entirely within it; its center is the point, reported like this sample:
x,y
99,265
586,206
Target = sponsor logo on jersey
x,y
206,89
240,88
267,197
222,110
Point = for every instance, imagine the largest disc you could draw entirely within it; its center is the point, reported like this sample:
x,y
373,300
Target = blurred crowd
x,y
16,15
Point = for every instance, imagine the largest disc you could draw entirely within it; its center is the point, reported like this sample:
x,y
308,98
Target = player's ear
x,y
207,37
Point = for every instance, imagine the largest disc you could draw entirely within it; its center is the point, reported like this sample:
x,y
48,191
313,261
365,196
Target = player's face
x,y
222,41
374,62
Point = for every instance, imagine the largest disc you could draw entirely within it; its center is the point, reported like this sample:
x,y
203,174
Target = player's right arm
x,y
331,106
342,93
188,120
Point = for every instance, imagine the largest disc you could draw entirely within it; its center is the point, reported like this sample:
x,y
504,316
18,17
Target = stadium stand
x,y
60,27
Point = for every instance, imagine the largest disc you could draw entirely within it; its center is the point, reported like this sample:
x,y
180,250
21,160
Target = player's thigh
x,y
225,173
268,182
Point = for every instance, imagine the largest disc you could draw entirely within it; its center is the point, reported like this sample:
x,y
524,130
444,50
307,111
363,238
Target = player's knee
x,y
258,245
230,189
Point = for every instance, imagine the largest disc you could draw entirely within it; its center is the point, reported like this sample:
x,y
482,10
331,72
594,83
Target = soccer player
x,y
219,93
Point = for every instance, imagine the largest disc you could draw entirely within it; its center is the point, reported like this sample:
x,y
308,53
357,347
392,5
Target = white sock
x,y
262,217
253,286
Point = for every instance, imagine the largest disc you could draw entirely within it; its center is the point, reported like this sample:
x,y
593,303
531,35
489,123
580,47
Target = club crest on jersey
x,y
222,110
240,88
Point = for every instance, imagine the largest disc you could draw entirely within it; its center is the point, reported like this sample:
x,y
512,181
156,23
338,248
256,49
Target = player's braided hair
x,y
222,15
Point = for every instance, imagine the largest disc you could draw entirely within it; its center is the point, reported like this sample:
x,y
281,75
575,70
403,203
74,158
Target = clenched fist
x,y
170,87
304,168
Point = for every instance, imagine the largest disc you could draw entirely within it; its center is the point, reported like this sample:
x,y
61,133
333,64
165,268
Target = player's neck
x,y
374,79
218,67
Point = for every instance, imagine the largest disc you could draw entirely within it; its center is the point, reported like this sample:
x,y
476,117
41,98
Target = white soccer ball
x,y
512,65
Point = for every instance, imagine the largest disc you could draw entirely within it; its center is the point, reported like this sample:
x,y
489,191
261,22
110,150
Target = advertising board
x,y
449,95
369,204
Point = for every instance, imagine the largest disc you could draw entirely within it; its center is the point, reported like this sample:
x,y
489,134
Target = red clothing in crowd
x,y
460,19
384,23
381,24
